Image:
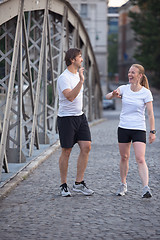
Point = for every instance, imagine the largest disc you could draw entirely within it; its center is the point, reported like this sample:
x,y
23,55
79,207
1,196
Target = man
x,y
72,123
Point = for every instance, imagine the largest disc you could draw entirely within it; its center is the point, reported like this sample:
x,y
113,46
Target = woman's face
x,y
133,75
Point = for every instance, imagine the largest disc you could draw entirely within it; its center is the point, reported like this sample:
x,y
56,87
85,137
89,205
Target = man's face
x,y
78,61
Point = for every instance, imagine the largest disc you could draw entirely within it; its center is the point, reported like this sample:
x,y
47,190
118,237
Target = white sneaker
x,y
82,188
122,190
64,190
146,192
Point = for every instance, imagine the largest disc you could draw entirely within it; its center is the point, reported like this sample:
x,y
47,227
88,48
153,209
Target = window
x,y
84,10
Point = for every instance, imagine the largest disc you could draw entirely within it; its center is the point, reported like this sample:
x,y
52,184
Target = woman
x,y
136,96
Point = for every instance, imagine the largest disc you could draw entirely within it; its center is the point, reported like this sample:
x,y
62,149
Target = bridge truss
x,y
34,35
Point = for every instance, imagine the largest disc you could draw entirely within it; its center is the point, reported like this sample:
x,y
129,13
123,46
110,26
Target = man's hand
x,y
81,70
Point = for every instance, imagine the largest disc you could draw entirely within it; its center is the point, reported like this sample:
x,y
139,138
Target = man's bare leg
x,y
85,147
63,164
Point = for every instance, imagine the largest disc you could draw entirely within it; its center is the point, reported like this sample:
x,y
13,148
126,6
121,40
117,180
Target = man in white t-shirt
x,y
72,123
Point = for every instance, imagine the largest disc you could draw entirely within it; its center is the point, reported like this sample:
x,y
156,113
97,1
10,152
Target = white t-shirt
x,y
68,80
133,107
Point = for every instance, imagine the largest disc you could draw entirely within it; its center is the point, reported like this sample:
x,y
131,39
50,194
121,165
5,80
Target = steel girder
x,y
34,36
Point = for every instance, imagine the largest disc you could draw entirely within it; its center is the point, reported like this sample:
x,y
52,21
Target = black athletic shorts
x,y
73,129
131,135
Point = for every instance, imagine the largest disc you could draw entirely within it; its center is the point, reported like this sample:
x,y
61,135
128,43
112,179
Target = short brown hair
x,y
71,54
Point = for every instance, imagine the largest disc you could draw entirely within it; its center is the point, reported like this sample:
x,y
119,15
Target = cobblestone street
x,y
34,210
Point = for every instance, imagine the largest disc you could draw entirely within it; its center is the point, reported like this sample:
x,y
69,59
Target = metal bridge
x,y
34,35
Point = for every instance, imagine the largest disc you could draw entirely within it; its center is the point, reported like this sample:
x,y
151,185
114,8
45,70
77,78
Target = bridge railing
x,y
34,36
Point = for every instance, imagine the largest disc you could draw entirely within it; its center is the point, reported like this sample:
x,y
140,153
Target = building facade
x,y
113,17
126,41
94,17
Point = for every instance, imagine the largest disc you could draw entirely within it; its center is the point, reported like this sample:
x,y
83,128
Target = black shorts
x,y
131,135
73,129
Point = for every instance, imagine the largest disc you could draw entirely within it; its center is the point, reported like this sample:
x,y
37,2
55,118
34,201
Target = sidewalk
x,y
20,171
34,210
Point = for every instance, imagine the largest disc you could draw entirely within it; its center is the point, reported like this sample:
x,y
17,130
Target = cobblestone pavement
x,y
34,210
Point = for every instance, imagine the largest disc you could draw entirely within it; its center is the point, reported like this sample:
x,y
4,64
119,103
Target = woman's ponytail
x,y
144,80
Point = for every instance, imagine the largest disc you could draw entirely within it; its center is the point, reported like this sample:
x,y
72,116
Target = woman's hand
x,y
116,94
152,137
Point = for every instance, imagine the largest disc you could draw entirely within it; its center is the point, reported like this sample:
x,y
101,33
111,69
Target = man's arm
x,y
71,94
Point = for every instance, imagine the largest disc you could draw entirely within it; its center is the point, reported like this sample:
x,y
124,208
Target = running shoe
x,y
122,190
64,190
82,188
146,192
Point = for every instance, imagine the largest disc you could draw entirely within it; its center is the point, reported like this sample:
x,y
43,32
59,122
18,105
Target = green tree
x,y
146,25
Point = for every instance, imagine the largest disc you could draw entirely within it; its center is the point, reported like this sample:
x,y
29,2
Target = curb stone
x,y
23,173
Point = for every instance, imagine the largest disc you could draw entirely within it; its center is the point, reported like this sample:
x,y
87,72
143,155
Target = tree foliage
x,y
146,25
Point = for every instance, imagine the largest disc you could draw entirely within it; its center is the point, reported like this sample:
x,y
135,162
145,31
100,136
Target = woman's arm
x,y
149,106
114,94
